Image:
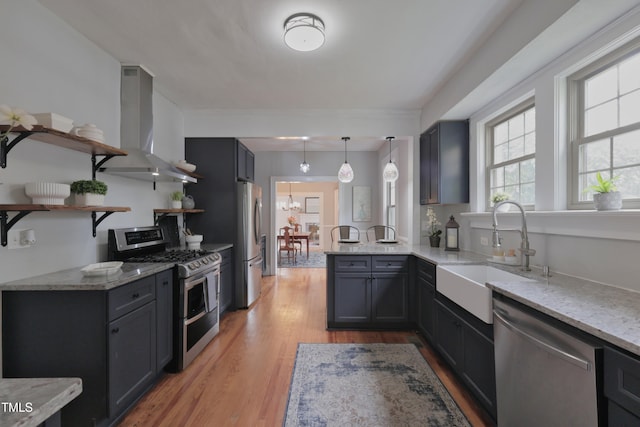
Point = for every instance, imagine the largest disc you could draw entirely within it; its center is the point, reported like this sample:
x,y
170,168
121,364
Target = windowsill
x,y
567,213
616,225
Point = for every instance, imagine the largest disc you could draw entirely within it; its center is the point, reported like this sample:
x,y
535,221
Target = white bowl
x,y
194,238
47,193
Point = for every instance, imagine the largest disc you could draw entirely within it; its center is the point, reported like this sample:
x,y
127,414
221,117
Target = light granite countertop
x,y
45,397
73,280
604,311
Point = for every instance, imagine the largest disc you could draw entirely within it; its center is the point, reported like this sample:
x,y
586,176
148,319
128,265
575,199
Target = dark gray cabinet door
x,y
426,308
132,356
448,335
164,319
226,281
622,387
246,163
426,299
444,163
467,345
352,298
389,293
477,366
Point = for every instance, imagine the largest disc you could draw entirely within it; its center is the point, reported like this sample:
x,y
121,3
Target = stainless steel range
x,y
197,274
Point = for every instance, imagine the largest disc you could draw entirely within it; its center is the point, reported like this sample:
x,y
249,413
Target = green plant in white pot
x,y
88,192
498,197
605,197
176,200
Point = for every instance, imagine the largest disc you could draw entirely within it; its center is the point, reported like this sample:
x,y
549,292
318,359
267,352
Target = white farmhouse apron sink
x,y
465,285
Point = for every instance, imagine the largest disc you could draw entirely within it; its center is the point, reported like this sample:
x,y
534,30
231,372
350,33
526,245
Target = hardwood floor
x,y
242,377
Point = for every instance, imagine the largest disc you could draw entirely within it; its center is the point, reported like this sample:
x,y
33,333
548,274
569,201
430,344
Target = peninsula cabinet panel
x,y
444,163
164,319
426,299
368,292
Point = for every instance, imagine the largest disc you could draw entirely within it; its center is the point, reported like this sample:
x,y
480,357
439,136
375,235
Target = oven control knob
x,y
205,261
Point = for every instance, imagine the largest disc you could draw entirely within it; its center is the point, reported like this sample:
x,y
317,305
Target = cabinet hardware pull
x,y
136,295
115,330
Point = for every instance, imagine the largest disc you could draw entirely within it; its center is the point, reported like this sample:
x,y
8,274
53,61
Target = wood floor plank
x,y
242,377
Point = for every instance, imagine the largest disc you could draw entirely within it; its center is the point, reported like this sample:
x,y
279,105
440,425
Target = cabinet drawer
x,y
622,380
427,271
353,263
390,263
128,297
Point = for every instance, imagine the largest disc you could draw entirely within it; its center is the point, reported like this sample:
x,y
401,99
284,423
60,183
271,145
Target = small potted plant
x,y
89,192
605,197
176,200
498,197
434,231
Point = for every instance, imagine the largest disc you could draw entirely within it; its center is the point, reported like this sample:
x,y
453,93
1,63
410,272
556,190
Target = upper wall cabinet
x,y
246,163
444,163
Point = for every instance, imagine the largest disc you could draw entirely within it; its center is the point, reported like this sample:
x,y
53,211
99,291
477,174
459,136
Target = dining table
x,y
298,235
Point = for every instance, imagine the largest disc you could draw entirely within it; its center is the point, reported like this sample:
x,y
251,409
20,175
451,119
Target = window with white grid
x,y
511,151
605,126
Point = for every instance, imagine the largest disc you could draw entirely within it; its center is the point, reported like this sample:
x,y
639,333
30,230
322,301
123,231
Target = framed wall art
x,y
361,209
312,205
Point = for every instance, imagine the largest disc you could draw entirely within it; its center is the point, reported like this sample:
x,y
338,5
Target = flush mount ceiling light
x,y
304,32
304,166
345,174
390,172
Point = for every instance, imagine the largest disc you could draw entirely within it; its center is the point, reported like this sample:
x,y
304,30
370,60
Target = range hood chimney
x,y
136,133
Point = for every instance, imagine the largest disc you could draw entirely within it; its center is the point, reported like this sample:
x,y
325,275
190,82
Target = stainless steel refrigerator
x,y
249,254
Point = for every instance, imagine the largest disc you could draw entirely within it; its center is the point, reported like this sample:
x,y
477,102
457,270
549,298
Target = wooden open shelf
x,y
192,174
66,140
168,211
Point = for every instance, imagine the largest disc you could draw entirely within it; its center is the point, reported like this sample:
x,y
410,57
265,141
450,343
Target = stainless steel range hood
x,y
136,133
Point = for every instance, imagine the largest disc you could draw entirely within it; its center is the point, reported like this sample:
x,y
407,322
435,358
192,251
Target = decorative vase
x,y
176,204
89,199
434,241
611,201
504,208
188,202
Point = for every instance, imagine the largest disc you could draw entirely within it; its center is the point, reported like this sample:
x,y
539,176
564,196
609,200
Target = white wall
x,y
49,67
600,246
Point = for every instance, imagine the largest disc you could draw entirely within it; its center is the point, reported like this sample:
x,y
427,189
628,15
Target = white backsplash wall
x,y
49,67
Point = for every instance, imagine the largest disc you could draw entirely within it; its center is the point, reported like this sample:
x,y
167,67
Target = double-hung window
x,y
511,151
391,204
604,131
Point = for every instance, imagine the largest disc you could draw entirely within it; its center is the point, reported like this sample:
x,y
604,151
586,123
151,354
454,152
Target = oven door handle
x,y
192,284
187,322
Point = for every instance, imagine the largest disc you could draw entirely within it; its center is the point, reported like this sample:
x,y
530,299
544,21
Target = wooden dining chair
x,y
286,245
379,232
292,236
344,232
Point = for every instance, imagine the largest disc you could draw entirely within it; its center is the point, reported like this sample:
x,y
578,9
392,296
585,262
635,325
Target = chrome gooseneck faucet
x,y
525,251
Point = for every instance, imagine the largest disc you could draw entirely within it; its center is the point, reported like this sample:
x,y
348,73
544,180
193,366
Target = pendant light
x,y
390,172
304,166
345,174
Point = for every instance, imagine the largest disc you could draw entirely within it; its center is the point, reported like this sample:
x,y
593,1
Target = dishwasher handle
x,y
574,360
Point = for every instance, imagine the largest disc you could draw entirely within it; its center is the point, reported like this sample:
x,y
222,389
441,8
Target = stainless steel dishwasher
x,y
544,376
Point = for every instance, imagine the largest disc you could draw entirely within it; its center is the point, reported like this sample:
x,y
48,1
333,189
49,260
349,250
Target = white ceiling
x,y
229,54
379,54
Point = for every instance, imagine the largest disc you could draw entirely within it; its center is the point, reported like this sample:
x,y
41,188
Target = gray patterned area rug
x,y
316,259
367,385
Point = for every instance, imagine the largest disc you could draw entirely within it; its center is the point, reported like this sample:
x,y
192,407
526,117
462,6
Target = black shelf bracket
x,y
5,224
157,218
96,221
6,146
95,165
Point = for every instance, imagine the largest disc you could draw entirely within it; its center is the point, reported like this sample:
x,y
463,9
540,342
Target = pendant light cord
x,y
345,139
389,138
